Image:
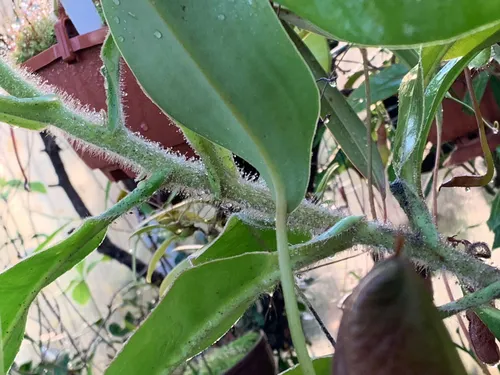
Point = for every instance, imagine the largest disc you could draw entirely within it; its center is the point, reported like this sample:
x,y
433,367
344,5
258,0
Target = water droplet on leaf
x,y
132,15
117,2
157,34
117,20
467,189
221,17
121,38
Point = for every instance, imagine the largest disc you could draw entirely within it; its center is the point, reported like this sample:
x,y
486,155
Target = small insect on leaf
x,y
390,326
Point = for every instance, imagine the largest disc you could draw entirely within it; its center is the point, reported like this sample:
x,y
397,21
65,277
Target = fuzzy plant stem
x,y
288,286
254,199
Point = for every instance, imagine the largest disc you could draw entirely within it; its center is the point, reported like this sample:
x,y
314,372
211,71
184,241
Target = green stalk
x,y
288,286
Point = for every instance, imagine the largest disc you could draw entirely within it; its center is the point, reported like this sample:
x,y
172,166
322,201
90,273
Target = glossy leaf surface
x,y
220,61
410,122
397,23
180,327
463,46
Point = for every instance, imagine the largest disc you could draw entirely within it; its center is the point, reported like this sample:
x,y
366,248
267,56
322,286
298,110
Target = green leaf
x,y
494,221
178,328
491,318
465,45
318,45
30,113
410,125
49,238
481,59
221,61
34,186
110,56
241,236
159,252
383,85
322,366
431,58
81,293
80,268
20,284
434,95
218,161
345,125
397,23
181,327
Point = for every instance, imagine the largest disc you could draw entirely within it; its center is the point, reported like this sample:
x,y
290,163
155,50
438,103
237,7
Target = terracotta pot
x,y
259,360
73,65
460,127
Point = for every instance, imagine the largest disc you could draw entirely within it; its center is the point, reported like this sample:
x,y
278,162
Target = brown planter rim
x,y
260,351
55,52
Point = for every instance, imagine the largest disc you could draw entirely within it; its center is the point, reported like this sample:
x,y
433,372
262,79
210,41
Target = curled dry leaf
x,y
390,327
482,339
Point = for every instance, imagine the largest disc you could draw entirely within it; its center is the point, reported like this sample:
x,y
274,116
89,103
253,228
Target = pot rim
x,y
78,43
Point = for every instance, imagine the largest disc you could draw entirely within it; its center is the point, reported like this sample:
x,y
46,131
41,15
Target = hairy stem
x,y
253,198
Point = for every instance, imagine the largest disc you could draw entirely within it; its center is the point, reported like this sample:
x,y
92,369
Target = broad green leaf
x,y
81,293
20,284
218,161
494,221
397,23
382,85
481,59
180,327
491,318
318,45
431,57
241,236
301,23
232,76
465,45
345,125
410,123
111,72
322,366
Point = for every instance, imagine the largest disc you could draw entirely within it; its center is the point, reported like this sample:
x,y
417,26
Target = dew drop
x,y
117,2
467,189
132,15
117,20
221,17
121,38
157,34
495,131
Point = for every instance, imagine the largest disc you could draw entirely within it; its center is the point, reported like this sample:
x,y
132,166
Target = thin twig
x,y
368,99
316,316
18,159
